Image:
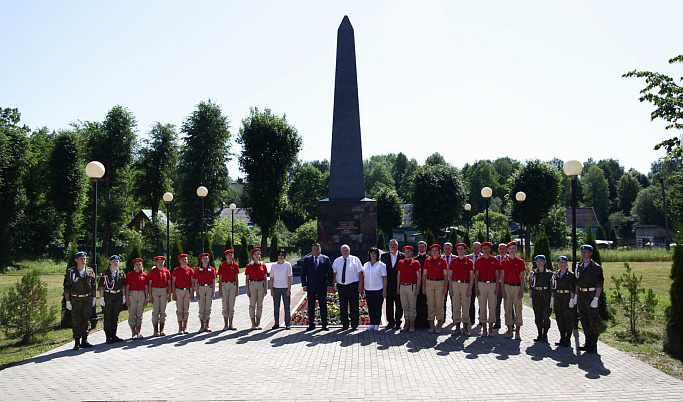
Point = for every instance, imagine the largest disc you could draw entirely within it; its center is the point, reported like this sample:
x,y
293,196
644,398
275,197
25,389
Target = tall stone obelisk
x,y
346,217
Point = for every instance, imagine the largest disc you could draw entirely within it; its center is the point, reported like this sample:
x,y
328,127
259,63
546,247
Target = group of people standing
x,y
415,288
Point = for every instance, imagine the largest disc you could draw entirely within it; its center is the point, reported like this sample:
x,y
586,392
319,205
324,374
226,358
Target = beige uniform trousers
x,y
182,304
434,290
159,297
137,307
512,301
206,294
409,301
229,290
461,303
487,299
257,291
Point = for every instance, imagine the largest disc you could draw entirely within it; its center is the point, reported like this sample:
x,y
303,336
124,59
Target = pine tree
x,y
244,253
133,253
176,248
228,243
467,241
453,237
542,246
380,240
673,335
208,248
506,236
272,252
429,236
69,256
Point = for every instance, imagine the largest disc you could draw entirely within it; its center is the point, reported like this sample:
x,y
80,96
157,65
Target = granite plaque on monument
x,y
346,217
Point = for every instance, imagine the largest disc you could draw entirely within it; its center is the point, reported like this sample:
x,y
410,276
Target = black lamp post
x,y
202,192
95,170
468,207
486,192
232,221
573,169
521,196
168,197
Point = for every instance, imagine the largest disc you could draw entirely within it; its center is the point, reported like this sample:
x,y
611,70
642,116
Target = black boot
x,y
539,338
545,335
593,347
114,337
561,341
77,343
84,342
586,344
567,342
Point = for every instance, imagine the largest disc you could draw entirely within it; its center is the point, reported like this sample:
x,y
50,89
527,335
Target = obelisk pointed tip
x,y
345,24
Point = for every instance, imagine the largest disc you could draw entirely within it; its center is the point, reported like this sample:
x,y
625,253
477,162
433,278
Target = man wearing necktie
x,y
347,271
391,260
476,248
317,278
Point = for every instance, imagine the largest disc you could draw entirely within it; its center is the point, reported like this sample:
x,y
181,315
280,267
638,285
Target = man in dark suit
x,y
421,305
391,259
476,248
317,279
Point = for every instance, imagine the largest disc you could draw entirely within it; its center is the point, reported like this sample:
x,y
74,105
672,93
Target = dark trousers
x,y
393,300
348,298
281,294
421,311
499,300
563,314
374,299
81,307
542,308
321,297
112,307
472,309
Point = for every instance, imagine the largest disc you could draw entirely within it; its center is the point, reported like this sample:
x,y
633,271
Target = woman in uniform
x,y
136,297
563,286
112,286
256,273
540,299
435,287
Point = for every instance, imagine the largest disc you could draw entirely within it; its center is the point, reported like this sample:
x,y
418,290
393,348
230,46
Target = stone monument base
x,y
352,222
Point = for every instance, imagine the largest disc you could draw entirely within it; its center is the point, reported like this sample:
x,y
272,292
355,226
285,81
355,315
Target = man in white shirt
x,y
476,248
347,271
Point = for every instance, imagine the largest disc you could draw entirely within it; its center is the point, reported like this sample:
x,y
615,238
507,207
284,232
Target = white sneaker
x,y
376,327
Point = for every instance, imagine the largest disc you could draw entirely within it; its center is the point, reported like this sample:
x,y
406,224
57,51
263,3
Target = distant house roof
x,y
584,216
240,215
140,220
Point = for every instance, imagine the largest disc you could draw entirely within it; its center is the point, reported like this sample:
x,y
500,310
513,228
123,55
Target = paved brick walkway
x,y
361,365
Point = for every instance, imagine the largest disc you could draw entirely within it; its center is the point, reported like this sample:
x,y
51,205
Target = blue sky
x,y
469,79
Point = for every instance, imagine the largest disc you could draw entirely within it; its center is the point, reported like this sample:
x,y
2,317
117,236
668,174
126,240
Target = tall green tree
x,y
647,208
628,188
156,168
203,162
613,172
407,181
438,196
673,333
270,146
399,169
435,159
68,185
112,144
541,183
307,187
482,174
675,201
667,96
377,176
389,211
13,160
542,247
554,226
596,192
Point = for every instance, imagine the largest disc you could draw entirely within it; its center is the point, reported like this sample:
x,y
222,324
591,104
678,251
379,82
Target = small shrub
x,y
380,240
24,312
635,307
273,249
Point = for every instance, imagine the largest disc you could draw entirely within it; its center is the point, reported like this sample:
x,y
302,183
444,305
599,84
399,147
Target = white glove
x,y
124,299
102,301
594,303
571,303
68,306
531,304
94,301
552,302
576,299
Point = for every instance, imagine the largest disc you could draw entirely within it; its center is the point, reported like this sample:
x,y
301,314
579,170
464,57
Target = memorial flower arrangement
x,y
300,316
